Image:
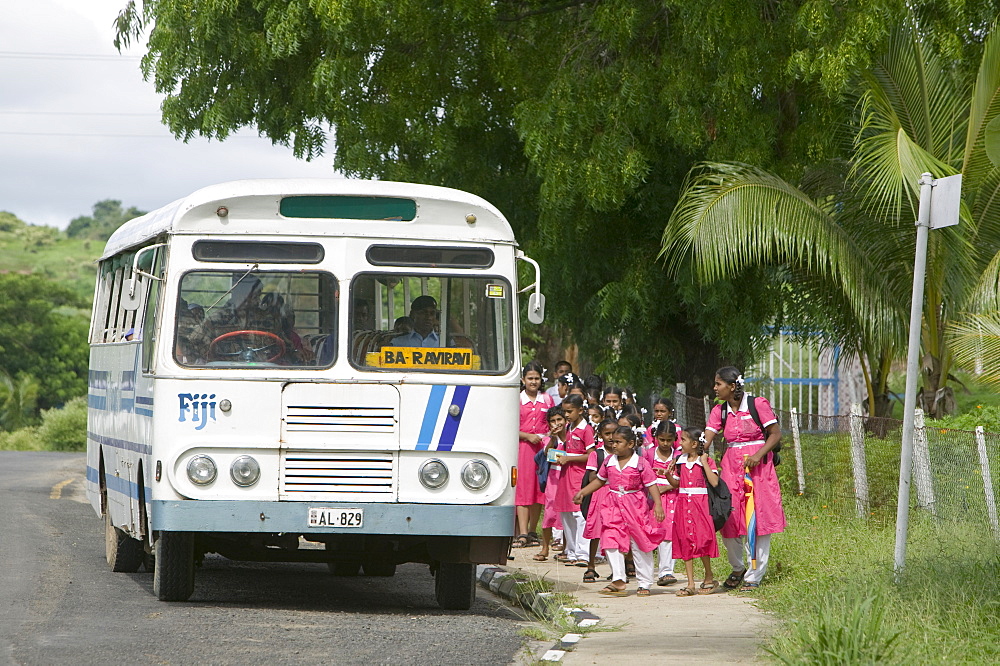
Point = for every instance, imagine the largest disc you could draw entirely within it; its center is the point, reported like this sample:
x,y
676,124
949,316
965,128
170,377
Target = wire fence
x,y
855,459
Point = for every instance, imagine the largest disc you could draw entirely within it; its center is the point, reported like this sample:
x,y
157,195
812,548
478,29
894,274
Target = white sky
x,y
77,130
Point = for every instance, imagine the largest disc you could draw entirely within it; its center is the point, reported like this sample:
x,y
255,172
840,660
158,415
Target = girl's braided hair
x,y
731,375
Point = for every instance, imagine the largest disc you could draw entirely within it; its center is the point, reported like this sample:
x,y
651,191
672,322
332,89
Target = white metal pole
x,y
984,463
912,371
797,444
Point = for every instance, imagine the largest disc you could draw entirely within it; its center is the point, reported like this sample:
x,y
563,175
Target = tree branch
x,y
547,10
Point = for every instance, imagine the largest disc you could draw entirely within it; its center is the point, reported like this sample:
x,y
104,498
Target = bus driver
x,y
425,315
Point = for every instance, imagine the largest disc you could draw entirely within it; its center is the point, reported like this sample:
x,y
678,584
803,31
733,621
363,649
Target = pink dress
x,y
533,421
592,528
745,439
651,442
668,494
579,440
625,511
694,531
550,517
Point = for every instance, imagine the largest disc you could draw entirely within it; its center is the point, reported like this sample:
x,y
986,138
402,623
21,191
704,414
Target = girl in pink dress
x,y
572,463
663,410
661,459
528,497
751,443
592,514
627,523
694,531
554,441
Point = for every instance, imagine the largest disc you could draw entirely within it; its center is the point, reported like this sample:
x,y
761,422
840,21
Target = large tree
x,y
578,119
850,245
43,333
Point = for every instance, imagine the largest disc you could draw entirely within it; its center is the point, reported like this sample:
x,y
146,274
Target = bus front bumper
x,y
293,517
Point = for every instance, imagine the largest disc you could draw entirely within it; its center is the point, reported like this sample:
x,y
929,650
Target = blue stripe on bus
x,y
123,444
430,417
451,423
144,412
97,401
117,484
143,400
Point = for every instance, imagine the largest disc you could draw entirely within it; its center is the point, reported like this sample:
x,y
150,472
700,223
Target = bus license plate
x,y
326,517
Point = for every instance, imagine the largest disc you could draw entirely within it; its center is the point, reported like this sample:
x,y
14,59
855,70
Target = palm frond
x,y
732,215
984,107
977,341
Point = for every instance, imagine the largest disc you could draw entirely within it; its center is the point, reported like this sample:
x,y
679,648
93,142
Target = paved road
x,y
59,603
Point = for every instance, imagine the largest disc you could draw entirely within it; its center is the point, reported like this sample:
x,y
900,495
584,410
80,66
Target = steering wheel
x,y
247,352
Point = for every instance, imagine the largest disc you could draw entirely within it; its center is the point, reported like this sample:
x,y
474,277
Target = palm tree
x,y
18,400
845,235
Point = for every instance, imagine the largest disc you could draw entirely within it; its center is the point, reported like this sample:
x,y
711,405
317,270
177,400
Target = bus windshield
x,y
431,323
256,318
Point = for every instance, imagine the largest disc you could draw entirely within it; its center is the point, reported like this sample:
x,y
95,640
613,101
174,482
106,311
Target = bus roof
x,y
255,207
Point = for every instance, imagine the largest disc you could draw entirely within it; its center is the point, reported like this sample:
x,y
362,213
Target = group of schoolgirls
x,y
614,485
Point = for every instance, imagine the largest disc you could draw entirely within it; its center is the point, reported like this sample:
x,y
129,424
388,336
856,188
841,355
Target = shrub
x,y
25,439
987,416
65,429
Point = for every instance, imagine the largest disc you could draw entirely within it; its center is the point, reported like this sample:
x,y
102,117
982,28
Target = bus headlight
x,y
201,470
475,475
244,471
433,474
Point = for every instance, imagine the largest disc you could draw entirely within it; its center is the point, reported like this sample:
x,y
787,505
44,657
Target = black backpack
x,y
752,406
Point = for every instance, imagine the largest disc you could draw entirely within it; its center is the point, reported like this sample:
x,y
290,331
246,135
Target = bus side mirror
x,y
142,263
536,308
132,296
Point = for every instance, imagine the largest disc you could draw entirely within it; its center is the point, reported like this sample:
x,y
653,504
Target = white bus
x,y
308,370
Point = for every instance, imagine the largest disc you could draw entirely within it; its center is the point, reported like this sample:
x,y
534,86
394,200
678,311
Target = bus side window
x,y
150,316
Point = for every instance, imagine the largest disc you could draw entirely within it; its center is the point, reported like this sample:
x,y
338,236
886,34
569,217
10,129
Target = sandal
x,y
538,557
734,580
533,539
590,576
630,571
749,587
612,591
666,579
562,558
686,592
708,588
583,563
642,592
520,541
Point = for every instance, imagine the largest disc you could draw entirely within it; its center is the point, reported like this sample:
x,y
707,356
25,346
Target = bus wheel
x,y
455,586
379,568
173,576
344,568
123,553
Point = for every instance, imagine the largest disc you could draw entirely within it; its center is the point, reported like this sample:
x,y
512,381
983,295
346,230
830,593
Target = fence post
x,y
680,404
984,463
797,445
708,412
858,461
922,464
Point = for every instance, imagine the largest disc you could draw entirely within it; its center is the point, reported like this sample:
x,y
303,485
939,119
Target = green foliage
x,y
107,216
65,429
987,416
43,332
10,222
25,439
18,400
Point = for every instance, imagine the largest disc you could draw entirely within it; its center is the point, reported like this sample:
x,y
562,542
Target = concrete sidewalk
x,y
721,627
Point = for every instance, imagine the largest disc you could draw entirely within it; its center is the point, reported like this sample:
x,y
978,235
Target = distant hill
x,y
69,257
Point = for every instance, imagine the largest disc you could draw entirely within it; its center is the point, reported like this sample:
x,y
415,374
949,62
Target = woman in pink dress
x,y
694,531
661,458
554,441
528,497
592,510
749,445
627,523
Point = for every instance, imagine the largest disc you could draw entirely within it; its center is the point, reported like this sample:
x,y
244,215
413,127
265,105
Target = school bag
x,y
542,466
720,501
755,415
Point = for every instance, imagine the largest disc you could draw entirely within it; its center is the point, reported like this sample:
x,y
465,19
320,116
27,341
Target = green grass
x,y
69,261
836,600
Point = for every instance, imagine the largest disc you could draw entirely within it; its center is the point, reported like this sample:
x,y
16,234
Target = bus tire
x,y
173,575
455,585
385,569
123,553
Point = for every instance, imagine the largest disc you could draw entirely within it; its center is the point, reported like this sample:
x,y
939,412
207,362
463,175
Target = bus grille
x,y
316,418
337,475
